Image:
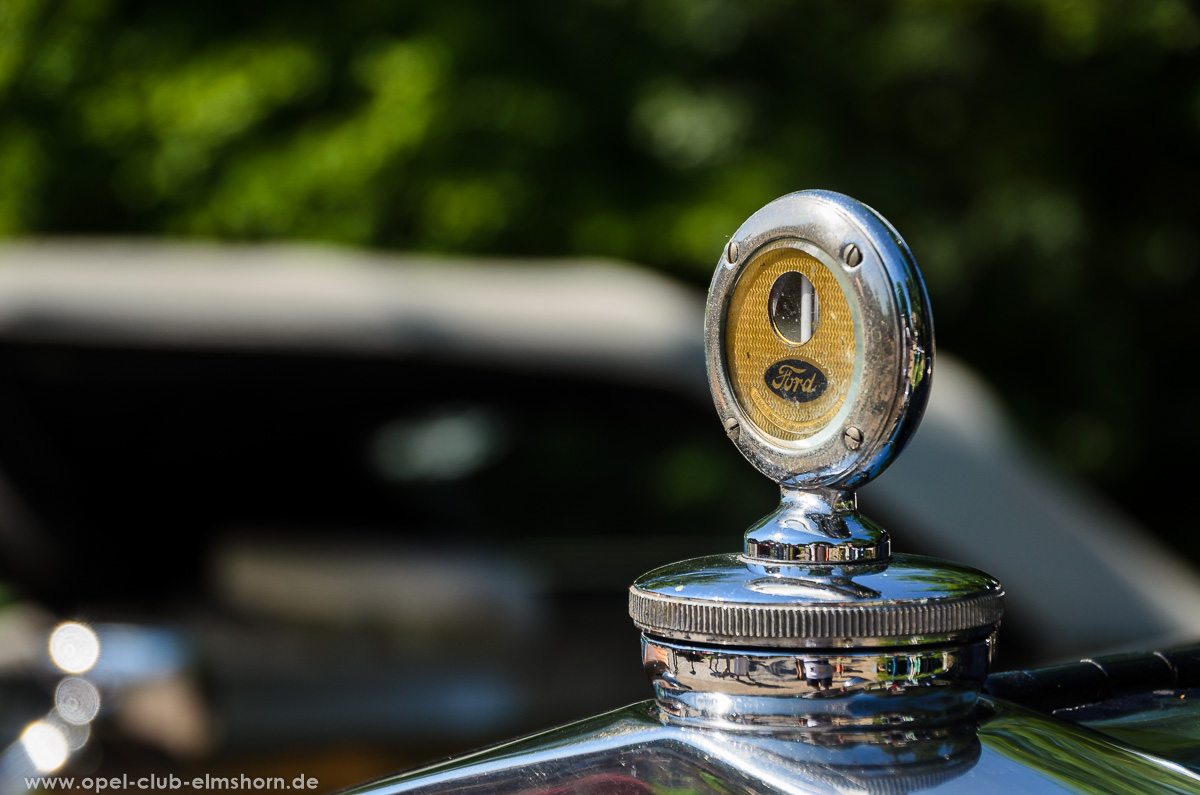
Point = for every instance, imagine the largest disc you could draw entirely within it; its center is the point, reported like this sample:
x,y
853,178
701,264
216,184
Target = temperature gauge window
x,y
789,342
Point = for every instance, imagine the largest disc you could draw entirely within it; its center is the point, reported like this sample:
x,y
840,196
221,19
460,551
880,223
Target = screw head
x,y
852,255
853,437
731,252
732,429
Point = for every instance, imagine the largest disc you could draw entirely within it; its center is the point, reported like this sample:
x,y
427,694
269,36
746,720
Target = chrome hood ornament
x,y
816,659
819,340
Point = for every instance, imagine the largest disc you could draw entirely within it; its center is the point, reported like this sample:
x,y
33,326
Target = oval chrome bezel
x,y
894,345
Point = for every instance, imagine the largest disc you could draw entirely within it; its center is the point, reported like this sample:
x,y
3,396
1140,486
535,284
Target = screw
x,y
853,437
732,429
731,252
852,255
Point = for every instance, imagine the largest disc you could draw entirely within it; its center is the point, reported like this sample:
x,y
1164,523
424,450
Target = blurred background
x,y
350,361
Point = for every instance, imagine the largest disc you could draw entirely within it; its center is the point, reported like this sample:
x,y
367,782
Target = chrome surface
x,y
638,750
817,623
817,660
1164,722
817,526
893,331
731,600
721,687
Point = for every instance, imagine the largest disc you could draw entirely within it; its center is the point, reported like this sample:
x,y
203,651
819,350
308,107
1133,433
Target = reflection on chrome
x,y
45,746
633,751
725,687
74,647
77,700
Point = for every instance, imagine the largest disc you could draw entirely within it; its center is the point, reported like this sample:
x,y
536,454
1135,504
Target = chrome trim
x,y
637,749
817,526
831,689
893,325
728,600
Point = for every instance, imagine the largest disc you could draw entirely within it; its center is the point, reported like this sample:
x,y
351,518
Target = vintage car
x,y
815,658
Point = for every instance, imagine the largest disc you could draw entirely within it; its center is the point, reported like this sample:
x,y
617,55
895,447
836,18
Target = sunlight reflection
x,y
74,648
45,746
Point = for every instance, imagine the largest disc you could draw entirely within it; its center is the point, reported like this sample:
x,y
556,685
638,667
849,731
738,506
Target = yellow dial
x,y
789,342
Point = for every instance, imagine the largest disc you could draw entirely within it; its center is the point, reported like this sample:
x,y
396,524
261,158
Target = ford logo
x,y
796,380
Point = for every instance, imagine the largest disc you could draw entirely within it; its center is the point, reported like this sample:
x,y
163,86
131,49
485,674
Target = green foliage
x,y
1037,154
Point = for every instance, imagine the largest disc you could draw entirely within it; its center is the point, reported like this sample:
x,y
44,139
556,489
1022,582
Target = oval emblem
x,y
796,380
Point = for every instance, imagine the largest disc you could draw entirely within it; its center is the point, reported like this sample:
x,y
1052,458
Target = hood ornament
x,y
816,659
819,342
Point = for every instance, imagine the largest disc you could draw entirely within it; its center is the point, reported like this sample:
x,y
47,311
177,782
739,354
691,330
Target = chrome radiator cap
x,y
730,600
819,341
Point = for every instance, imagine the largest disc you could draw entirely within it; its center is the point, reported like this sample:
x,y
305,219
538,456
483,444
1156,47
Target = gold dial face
x,y
789,343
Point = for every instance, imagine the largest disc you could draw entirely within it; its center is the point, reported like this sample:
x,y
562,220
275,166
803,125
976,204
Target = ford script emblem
x,y
796,380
